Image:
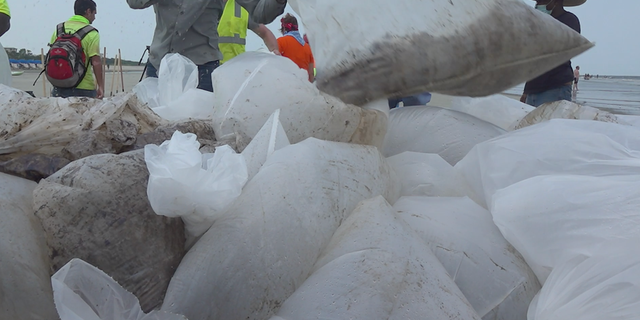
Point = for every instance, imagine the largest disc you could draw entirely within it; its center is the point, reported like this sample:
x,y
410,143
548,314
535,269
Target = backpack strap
x,y
84,31
60,29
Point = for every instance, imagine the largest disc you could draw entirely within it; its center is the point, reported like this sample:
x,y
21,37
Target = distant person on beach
x,y
232,31
5,17
189,27
576,77
80,24
293,46
555,84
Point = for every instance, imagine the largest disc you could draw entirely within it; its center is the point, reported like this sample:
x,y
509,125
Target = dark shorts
x,y
73,92
204,74
575,80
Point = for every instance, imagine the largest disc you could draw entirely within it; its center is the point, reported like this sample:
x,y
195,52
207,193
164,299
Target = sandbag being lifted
x,y
367,50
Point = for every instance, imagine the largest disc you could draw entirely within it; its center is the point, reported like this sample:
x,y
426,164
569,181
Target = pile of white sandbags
x,y
565,194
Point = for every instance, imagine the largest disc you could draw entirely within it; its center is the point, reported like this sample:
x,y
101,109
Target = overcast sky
x,y
612,24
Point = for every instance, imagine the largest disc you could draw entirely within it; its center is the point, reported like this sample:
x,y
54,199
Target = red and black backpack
x,y
66,64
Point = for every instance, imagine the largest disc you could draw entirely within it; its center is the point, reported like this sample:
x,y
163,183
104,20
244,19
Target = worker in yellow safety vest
x,y
232,31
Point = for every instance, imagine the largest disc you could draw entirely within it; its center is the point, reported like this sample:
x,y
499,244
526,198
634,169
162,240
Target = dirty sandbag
x,y
148,92
47,125
265,245
566,110
25,290
201,128
34,167
488,270
424,174
451,134
633,120
498,109
375,267
400,48
603,286
554,217
96,209
252,86
83,292
268,140
186,183
591,148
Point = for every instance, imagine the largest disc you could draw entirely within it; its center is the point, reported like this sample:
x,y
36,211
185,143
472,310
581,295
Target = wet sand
x,y
25,81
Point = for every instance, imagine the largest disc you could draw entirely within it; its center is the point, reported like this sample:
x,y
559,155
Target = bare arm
x,y
96,63
310,71
141,4
5,23
267,36
263,11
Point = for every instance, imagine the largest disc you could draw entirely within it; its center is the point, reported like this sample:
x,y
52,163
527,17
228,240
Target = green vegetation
x,y
24,54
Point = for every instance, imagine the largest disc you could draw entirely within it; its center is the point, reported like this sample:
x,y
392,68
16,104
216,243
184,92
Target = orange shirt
x,y
301,55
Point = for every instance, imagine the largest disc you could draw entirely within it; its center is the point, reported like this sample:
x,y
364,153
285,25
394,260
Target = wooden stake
x,y
44,80
113,75
121,73
104,66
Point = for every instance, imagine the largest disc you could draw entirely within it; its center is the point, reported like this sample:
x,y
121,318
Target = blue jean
x,y
73,92
415,100
204,74
557,94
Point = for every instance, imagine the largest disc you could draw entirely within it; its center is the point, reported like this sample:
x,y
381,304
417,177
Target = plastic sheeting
x,y
186,183
84,292
488,270
553,218
399,48
589,148
375,267
451,134
265,245
252,86
25,290
268,140
424,174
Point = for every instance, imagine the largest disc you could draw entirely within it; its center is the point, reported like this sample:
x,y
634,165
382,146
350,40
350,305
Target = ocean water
x,y
620,95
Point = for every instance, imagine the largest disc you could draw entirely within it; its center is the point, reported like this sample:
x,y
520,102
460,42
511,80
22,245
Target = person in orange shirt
x,y
293,46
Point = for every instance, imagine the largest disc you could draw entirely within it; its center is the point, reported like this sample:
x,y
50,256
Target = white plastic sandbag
x,y
5,67
174,94
451,134
487,269
590,148
566,110
633,120
186,183
84,292
268,140
252,86
148,92
498,109
375,267
424,174
398,48
603,286
25,290
552,218
265,245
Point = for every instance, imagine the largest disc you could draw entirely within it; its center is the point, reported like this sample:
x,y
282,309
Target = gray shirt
x,y
189,27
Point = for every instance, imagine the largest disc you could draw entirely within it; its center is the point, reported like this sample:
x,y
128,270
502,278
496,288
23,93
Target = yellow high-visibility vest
x,y
232,30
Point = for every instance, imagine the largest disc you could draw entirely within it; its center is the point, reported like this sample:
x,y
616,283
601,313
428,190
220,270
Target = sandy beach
x,y
131,76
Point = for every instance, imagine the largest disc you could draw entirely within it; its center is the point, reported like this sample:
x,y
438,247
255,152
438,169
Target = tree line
x,y
25,54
